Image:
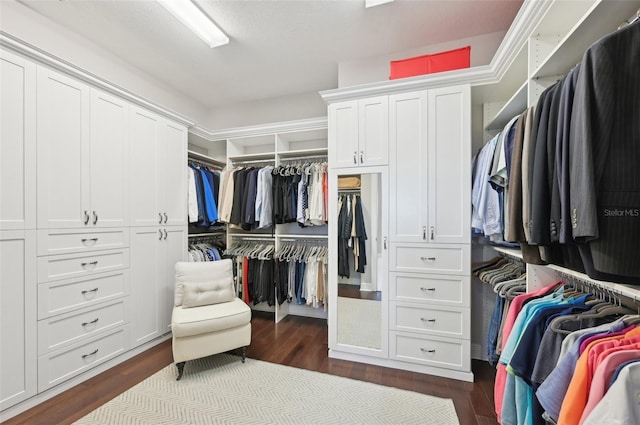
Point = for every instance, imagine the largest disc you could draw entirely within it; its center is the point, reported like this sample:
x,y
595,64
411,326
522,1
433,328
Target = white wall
x,y
286,108
375,69
31,27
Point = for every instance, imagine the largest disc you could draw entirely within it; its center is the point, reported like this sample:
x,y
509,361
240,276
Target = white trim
x,y
10,42
319,123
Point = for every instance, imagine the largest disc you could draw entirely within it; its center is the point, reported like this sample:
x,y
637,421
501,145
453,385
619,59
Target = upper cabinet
x,y
429,165
17,142
82,138
360,129
158,170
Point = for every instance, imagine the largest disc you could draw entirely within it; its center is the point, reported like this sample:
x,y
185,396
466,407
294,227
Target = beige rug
x,y
222,390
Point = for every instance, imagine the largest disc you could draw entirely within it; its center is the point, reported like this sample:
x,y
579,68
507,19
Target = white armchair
x,y
207,317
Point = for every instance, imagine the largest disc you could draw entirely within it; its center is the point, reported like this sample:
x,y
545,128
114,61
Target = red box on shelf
x,y
429,64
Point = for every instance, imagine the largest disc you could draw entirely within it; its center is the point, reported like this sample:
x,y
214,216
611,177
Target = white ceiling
x,y
277,47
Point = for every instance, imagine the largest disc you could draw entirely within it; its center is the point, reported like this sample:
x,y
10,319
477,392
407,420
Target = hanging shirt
x,y
192,197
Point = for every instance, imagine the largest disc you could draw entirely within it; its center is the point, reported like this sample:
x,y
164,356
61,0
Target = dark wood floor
x,y
296,341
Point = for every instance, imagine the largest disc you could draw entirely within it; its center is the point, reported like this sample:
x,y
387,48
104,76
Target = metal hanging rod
x,y
194,156
305,158
266,238
631,20
255,161
349,190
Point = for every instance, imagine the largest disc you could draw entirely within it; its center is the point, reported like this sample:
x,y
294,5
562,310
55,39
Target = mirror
x,y
361,261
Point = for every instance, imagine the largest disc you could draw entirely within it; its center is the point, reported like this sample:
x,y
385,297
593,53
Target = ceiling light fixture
x,y
371,3
191,16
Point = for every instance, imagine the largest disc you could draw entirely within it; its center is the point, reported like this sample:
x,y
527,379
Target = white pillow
x,y
210,275
199,294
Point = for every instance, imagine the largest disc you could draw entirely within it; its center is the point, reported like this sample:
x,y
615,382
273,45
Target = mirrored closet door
x,y
358,261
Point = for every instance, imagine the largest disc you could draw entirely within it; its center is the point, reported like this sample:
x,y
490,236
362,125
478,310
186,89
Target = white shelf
x,y
603,18
204,158
629,291
513,107
298,236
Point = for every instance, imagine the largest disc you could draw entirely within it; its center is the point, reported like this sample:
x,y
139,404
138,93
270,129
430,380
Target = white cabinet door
x,y
17,142
373,121
173,249
62,148
343,134
449,164
18,317
145,136
173,192
145,273
109,165
408,161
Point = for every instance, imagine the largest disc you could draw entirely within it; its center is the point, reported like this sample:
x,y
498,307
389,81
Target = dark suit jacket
x,y
605,153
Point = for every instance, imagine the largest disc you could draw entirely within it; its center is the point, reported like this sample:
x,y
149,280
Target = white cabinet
x,y
360,130
154,252
449,164
17,142
82,139
429,152
158,171
18,340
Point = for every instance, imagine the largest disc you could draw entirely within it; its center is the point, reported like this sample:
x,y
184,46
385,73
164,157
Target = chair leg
x,y
244,353
180,367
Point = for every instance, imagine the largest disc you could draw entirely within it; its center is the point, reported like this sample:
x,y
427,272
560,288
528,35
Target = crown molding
x,y
30,51
309,124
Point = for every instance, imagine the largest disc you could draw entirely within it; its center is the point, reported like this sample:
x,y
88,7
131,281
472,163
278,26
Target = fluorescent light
x,y
371,3
189,14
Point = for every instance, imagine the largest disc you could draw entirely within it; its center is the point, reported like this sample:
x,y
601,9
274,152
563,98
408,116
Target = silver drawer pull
x,y
86,217
84,240
428,258
424,350
428,320
423,289
90,290
84,356
93,263
93,322
95,218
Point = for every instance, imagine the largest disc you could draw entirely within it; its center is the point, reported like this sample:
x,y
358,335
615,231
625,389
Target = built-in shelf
x,y
630,291
205,158
261,156
207,234
603,18
513,107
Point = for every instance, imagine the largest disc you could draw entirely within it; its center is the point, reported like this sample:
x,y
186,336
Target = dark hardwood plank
x,y
295,341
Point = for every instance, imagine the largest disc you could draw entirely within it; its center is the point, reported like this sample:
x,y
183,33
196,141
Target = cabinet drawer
x,y
56,332
432,289
58,267
420,258
73,294
54,242
450,322
432,351
59,366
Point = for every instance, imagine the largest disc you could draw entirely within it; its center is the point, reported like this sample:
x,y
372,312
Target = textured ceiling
x,y
277,47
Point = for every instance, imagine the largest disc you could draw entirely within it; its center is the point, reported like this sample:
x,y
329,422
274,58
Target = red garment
x,y
245,281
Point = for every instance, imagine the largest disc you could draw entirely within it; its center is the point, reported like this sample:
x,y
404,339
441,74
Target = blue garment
x,y
212,205
208,198
202,219
494,328
299,282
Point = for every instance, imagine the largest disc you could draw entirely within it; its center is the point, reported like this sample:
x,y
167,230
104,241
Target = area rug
x,y
222,390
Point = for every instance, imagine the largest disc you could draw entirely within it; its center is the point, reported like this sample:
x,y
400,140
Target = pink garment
x,y
610,360
514,308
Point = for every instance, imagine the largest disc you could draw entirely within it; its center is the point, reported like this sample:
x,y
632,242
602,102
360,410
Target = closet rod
x,y
268,238
299,158
207,235
196,156
631,20
255,161
348,191
305,241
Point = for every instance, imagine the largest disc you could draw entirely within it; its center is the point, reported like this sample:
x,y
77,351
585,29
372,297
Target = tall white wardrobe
x,y
92,219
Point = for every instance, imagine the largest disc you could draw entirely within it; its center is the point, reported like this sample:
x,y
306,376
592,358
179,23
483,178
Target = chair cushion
x,y
207,276
209,318
206,293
